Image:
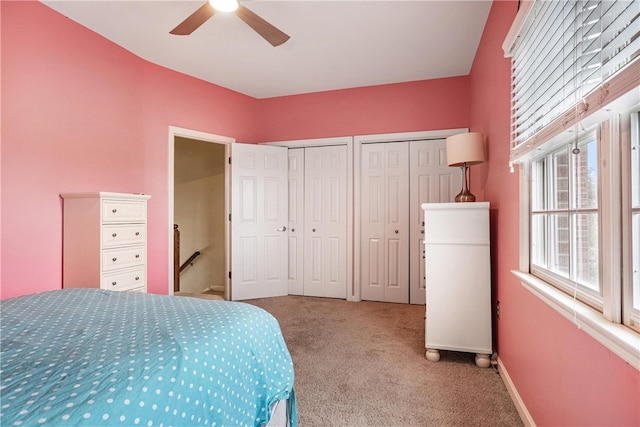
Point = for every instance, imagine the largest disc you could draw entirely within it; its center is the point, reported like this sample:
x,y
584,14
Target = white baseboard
x,y
517,400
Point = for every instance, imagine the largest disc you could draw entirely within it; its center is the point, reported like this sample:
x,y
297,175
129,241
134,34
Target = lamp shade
x,y
465,148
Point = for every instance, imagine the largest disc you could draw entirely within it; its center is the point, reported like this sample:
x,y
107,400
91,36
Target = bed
x,y
89,357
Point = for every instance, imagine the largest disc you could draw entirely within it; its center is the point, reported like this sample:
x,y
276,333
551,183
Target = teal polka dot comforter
x,y
87,357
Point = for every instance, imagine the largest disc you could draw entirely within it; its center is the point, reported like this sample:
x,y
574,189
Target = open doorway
x,y
198,208
199,216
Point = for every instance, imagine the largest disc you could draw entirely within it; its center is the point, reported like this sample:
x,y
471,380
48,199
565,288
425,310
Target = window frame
x,y
547,208
630,315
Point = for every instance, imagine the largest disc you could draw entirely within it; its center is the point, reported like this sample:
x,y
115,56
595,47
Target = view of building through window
x,y
565,213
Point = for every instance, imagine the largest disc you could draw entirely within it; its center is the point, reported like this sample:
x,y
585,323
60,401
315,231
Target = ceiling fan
x,y
207,10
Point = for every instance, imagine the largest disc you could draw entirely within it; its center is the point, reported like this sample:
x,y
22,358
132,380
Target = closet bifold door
x,y
296,227
384,244
431,181
325,221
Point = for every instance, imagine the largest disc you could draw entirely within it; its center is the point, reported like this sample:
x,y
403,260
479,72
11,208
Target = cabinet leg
x,y
433,355
483,360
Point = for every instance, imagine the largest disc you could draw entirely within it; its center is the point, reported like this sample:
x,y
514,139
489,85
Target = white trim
x,y
318,142
524,8
353,293
621,340
630,316
201,136
407,136
525,416
610,237
523,210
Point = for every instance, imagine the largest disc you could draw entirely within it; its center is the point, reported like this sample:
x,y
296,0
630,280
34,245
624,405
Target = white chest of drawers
x,y
458,280
105,241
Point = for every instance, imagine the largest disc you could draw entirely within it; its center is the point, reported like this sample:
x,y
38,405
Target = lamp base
x,y
465,196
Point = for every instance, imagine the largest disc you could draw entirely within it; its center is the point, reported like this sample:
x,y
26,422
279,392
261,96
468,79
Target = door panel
x,y
259,208
249,253
325,268
296,221
431,181
372,226
397,223
384,222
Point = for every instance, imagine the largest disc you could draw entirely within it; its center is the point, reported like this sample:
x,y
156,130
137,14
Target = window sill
x,y
621,340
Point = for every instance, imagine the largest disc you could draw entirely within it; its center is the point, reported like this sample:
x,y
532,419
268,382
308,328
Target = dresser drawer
x,y
123,210
113,259
123,234
125,280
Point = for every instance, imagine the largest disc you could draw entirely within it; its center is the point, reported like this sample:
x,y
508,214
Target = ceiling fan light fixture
x,y
224,5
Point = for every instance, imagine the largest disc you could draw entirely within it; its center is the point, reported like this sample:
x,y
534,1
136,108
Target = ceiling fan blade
x,y
262,27
194,20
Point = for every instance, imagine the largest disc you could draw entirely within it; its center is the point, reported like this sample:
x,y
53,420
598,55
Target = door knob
x,y
283,228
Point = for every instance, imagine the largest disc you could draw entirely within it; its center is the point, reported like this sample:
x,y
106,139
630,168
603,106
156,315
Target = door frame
x,y
174,132
353,294
358,141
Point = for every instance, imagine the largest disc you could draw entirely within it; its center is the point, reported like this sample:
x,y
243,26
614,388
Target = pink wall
x,y
564,376
79,113
172,99
406,107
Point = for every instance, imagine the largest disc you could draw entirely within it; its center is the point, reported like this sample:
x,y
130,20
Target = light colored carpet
x,y
363,364
205,295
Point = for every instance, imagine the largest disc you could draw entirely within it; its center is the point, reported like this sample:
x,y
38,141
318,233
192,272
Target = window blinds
x,y
569,58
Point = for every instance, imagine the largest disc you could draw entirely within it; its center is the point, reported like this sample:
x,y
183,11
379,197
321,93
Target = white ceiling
x,y
333,45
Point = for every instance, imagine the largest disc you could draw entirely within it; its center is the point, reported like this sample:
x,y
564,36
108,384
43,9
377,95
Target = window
x,y
576,136
564,219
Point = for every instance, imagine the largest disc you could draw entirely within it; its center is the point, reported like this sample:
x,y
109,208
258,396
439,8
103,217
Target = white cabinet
x,y
105,241
458,280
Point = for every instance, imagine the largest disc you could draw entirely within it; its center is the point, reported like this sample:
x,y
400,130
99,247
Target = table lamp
x,y
464,150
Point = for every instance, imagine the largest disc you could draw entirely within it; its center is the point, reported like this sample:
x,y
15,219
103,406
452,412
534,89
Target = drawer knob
x,y
137,233
114,210
137,255
396,231
114,259
137,278
114,235
113,283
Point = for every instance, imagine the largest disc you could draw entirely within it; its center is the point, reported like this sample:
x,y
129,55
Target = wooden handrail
x,y
195,255
176,258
